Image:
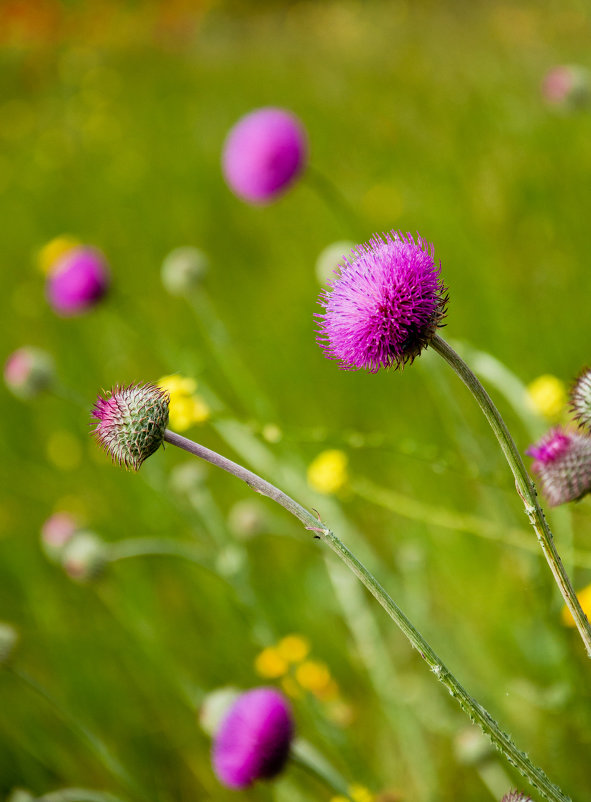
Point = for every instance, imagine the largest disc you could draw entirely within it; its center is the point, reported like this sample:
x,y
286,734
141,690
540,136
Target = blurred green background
x,y
427,117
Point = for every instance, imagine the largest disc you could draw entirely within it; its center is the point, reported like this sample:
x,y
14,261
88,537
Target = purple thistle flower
x,y
384,306
516,796
563,463
263,154
567,86
580,399
254,738
78,281
131,422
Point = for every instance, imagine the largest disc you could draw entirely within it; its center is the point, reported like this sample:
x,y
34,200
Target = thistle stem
x,y
523,484
470,706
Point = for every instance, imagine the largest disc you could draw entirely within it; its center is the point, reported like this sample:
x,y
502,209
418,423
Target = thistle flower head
x,y
263,154
580,399
516,796
253,740
385,306
84,557
56,531
183,270
562,460
77,281
131,422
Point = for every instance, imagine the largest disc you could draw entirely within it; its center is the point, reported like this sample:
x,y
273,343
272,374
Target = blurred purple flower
x,y
385,306
254,738
263,154
56,531
563,463
78,281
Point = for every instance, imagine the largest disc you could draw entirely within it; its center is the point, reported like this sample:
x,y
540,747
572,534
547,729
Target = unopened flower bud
x,y
580,399
215,707
247,518
516,796
567,87
8,641
563,463
84,556
183,270
56,531
28,371
131,423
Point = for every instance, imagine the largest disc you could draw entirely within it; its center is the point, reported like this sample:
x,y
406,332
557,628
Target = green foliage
x,y
425,117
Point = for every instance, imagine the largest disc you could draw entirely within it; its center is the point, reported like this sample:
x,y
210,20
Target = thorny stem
x,y
470,706
523,484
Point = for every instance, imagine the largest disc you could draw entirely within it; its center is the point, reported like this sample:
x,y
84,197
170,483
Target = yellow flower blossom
x,y
314,676
584,597
546,395
360,794
54,250
186,407
293,648
328,472
270,664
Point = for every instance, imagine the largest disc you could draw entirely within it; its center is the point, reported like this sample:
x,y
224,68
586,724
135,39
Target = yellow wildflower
x,y
293,648
546,395
270,664
328,472
360,794
584,597
314,676
186,407
54,250
339,799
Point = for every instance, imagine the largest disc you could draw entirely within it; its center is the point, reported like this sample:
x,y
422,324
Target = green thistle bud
x,y
131,422
580,399
84,556
8,641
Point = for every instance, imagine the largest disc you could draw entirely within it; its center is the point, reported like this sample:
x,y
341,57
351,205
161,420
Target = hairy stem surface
x,y
474,710
523,483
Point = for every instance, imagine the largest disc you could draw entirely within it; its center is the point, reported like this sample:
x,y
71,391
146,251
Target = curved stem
x,y
523,484
474,710
153,546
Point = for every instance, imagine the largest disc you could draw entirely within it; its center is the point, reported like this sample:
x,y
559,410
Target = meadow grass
x,y
425,117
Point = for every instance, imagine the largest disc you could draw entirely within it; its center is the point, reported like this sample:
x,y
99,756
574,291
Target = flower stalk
x,y
473,709
523,484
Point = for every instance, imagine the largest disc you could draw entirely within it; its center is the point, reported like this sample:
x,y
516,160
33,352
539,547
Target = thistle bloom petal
x,y
131,422
580,399
77,281
563,463
385,306
254,738
263,154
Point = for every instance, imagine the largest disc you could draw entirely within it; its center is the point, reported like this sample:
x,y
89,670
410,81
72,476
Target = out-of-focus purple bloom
x,y
131,422
385,306
28,371
254,738
562,460
78,281
263,154
567,86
